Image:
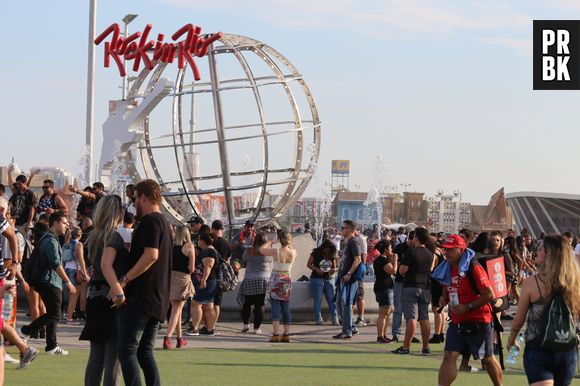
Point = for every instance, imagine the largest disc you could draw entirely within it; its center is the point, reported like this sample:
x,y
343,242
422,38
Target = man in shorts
x,y
471,325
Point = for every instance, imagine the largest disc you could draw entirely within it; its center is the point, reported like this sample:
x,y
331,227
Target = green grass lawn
x,y
278,364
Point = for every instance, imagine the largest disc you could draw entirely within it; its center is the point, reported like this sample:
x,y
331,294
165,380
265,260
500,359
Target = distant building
x,y
447,213
545,212
495,216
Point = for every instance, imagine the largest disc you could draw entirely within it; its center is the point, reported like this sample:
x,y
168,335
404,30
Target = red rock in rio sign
x,y
128,47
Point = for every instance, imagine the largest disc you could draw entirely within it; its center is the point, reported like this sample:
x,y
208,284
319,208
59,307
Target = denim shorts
x,y
542,365
416,303
385,298
206,295
72,275
456,342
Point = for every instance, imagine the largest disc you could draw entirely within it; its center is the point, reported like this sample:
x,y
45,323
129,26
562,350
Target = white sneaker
x,y
257,332
57,351
9,359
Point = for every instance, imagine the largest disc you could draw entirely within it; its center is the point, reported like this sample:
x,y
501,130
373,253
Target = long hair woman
x,y
206,263
74,266
558,273
254,286
181,285
108,255
322,262
280,285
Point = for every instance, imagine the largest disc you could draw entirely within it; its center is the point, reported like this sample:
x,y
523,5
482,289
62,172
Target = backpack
x,y
495,269
560,332
226,278
35,268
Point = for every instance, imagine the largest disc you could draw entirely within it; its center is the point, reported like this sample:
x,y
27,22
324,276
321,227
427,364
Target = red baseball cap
x,y
454,241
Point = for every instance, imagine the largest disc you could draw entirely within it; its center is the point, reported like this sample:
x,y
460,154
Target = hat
x,y
195,220
217,224
249,223
454,241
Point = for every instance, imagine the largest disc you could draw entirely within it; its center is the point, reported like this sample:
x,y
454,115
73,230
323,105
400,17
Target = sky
x,y
442,90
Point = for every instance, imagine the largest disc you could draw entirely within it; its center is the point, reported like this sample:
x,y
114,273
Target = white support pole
x,y
90,90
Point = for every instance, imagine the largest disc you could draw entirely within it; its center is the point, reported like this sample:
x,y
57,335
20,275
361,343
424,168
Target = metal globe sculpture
x,y
239,144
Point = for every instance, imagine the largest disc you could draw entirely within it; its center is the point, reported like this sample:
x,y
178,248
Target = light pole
x,y
405,186
126,20
90,90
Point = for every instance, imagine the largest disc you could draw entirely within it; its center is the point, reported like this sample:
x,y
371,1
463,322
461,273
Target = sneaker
x,y
57,351
401,351
206,332
257,331
27,358
71,322
415,340
425,352
335,322
436,339
383,339
285,339
191,332
181,342
319,322
9,359
167,345
360,322
275,339
442,338
354,331
394,338
342,335
245,329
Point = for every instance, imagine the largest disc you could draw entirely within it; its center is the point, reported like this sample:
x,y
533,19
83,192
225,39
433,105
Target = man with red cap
x,y
471,324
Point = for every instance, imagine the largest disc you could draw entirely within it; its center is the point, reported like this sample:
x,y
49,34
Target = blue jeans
x,y
347,294
136,338
285,307
319,286
542,365
398,311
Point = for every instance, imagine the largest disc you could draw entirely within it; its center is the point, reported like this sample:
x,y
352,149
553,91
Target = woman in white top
x,y
280,285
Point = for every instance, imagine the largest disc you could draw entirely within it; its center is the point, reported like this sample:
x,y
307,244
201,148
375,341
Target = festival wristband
x,y
120,296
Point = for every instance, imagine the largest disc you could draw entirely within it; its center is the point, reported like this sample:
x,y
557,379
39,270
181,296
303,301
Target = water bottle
x,y
513,353
8,303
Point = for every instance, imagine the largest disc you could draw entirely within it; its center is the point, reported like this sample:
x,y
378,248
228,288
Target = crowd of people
x,y
126,270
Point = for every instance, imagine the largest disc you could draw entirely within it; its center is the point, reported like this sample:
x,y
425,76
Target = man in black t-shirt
x,y
399,250
223,248
146,287
416,267
22,204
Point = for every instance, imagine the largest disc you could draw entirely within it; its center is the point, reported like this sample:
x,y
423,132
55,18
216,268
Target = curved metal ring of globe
x,y
295,177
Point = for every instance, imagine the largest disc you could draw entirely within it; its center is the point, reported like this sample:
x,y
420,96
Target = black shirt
x,y
419,261
20,206
151,289
223,247
318,257
205,253
383,280
400,250
180,261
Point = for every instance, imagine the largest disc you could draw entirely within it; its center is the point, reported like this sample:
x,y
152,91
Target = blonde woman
x,y
181,285
280,285
74,266
558,272
108,256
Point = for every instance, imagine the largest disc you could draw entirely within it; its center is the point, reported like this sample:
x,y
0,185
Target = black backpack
x,y
226,278
560,332
34,267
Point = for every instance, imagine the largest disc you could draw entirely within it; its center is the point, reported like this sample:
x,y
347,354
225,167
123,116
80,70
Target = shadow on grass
x,y
319,367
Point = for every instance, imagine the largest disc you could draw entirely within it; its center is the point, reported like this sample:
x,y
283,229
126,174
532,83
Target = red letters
x,y
194,45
